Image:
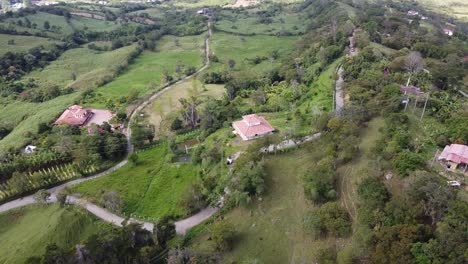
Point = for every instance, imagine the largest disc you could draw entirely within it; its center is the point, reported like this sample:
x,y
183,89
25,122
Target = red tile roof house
x,y
75,115
252,126
455,156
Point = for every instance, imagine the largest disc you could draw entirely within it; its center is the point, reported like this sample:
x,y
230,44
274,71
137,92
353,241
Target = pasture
x,y
25,232
248,23
145,74
242,49
168,103
82,68
151,189
59,25
17,43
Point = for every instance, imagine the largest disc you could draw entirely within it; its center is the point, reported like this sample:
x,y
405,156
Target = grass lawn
x,y
271,229
151,189
146,72
25,232
240,48
88,67
168,103
22,43
25,117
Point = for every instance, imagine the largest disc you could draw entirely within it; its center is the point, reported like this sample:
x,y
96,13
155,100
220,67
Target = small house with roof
x,y
455,157
252,126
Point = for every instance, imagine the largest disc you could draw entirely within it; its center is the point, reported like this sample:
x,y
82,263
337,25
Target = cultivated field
x,y
151,189
22,43
26,232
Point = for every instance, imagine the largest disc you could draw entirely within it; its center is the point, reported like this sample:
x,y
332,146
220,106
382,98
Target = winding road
x,y
181,226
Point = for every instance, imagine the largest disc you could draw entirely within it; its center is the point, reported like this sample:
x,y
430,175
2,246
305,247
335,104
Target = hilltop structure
x,y
252,126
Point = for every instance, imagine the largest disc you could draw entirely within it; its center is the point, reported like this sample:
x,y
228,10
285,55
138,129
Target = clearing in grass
x,y
25,232
150,189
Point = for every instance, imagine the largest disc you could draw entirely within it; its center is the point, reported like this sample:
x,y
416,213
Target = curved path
x,y
181,226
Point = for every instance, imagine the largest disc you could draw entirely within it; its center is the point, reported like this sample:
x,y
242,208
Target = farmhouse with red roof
x,y
252,126
455,156
75,115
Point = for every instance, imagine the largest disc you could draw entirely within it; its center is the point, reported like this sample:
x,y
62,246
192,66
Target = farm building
x,y
76,115
252,126
455,156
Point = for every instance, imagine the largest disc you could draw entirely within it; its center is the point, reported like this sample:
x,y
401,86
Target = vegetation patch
x,y
13,43
150,71
26,232
82,68
151,189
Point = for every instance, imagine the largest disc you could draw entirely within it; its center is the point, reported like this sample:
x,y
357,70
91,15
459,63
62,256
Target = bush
x,y
406,162
329,219
222,234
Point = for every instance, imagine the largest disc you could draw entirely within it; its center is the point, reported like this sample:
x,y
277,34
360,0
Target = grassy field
x,y
457,8
321,98
240,48
75,23
245,23
81,68
168,103
146,72
151,189
25,117
22,43
271,230
26,232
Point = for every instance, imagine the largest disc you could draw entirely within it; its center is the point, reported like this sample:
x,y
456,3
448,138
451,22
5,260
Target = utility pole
x,y
415,102
425,104
435,157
